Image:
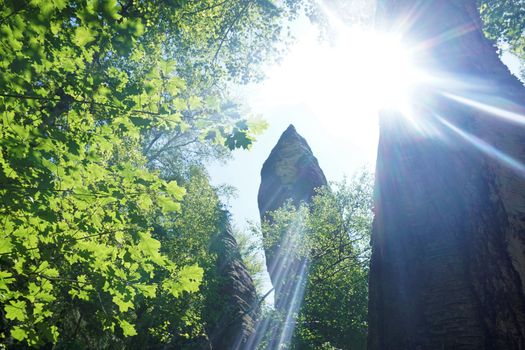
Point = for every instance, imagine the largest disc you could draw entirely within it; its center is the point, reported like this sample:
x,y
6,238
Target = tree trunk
x,y
448,260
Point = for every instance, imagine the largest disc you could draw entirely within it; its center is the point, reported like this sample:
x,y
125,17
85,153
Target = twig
x,y
229,28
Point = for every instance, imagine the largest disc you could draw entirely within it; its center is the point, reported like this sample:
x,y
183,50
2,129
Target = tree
x,y
504,22
186,237
77,200
336,228
91,94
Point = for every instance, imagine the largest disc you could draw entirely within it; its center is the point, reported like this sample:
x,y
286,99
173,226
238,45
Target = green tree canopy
x,y
92,94
504,22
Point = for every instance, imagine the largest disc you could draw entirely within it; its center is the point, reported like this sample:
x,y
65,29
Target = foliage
x,y
77,200
87,90
185,237
504,21
337,226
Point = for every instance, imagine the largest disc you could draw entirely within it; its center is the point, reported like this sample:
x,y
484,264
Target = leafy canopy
x,y
85,85
504,22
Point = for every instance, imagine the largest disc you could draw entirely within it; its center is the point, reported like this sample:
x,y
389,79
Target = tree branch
x,y
229,28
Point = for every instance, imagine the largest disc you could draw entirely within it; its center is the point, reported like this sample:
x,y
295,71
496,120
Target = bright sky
x,y
312,90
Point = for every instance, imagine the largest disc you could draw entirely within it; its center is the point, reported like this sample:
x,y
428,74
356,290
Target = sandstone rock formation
x,y
291,172
448,257
237,305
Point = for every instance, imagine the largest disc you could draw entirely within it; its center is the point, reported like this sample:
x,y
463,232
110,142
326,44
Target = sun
x,y
344,81
393,72
376,67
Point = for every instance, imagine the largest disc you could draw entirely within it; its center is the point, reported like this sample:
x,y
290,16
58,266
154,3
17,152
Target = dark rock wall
x,y
448,256
235,299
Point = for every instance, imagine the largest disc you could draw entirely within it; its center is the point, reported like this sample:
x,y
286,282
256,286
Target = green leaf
x,y
52,272
18,333
168,205
110,9
238,139
54,333
149,291
5,245
150,248
83,36
175,190
190,277
16,311
144,202
122,305
5,279
127,328
194,102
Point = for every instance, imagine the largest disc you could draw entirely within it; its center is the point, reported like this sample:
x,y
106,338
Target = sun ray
x,y
290,271
505,114
486,148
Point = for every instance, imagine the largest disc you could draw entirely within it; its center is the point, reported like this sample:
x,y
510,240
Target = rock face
x,y
237,305
448,256
291,172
